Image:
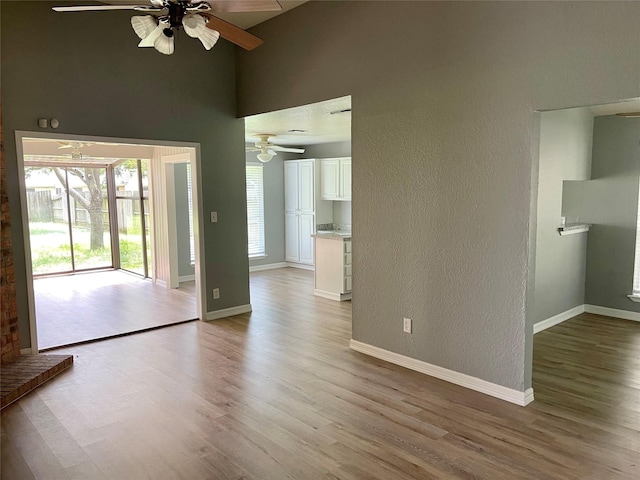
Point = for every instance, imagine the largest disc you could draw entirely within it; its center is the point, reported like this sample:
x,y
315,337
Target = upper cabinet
x,y
335,179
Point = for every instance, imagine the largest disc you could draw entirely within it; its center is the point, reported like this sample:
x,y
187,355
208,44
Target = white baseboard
x,y
161,283
25,351
301,266
268,266
186,278
467,381
339,297
228,312
612,312
557,319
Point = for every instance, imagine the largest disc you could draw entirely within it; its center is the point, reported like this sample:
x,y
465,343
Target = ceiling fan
x,y
163,18
267,149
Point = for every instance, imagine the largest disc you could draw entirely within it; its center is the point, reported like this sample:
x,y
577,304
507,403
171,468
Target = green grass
x,y
50,251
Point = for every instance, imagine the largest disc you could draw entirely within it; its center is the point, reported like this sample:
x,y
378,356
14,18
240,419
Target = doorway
x,y
95,215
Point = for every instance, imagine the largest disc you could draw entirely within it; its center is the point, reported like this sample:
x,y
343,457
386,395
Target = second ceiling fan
x,y
163,18
267,149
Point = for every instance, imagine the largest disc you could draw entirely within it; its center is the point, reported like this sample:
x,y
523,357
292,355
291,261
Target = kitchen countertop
x,y
332,235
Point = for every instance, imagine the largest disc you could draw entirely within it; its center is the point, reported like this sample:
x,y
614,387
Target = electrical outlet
x,y
214,217
406,325
216,293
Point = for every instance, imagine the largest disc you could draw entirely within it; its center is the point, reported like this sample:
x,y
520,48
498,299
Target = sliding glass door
x,y
132,207
68,218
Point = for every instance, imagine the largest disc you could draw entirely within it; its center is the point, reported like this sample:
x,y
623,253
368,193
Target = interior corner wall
x,y
614,187
444,96
84,69
565,154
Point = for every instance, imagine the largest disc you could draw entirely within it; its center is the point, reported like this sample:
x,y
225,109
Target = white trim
x,y
269,266
228,312
187,278
302,266
161,283
612,312
25,351
634,298
467,381
332,295
557,319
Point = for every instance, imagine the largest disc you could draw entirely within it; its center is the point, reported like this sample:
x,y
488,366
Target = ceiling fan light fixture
x,y
164,42
150,40
208,37
194,25
264,157
144,25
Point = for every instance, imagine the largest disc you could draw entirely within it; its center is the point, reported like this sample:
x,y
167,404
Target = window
x,y
255,210
192,247
636,271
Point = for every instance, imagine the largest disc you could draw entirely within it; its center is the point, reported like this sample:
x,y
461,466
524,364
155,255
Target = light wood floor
x,y
277,394
88,306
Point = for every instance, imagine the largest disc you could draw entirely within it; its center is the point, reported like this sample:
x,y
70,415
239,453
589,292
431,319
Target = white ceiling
x,y
243,20
322,122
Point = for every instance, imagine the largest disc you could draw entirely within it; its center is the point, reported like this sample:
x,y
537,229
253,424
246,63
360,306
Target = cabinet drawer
x,y
347,246
347,270
347,259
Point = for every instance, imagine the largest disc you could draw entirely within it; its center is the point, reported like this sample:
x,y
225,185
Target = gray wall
x,y
182,220
85,70
565,154
444,147
613,190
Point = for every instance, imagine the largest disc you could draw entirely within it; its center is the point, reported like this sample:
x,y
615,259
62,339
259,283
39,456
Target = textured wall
x,y
444,142
565,154
85,70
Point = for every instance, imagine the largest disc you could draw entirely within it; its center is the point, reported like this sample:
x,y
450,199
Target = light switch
x,y
214,217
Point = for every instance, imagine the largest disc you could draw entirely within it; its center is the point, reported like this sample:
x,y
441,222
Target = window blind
x,y
636,270
192,248
255,210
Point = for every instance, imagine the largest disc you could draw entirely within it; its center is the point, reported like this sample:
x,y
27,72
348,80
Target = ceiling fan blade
x,y
286,149
232,33
85,8
245,6
629,114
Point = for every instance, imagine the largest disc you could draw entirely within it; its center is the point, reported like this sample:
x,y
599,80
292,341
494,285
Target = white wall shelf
x,y
573,228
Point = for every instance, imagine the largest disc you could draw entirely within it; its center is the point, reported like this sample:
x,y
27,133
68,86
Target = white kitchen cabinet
x,y
303,209
333,268
336,179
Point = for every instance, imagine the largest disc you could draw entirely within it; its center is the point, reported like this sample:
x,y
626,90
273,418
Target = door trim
x,y
197,213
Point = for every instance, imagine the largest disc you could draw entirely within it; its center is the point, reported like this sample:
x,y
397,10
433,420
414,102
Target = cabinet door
x,y
329,179
306,190
290,186
307,223
292,237
345,179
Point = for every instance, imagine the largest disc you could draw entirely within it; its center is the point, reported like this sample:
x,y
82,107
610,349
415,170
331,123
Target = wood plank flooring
x,y
277,394
89,306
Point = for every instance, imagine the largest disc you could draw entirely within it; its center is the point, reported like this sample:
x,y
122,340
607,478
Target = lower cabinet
x,y
299,228
333,268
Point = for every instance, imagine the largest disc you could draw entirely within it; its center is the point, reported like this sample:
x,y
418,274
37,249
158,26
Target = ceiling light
x,y
264,157
164,42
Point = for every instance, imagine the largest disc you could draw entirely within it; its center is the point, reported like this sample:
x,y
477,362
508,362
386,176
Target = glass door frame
x,y
113,200
65,188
